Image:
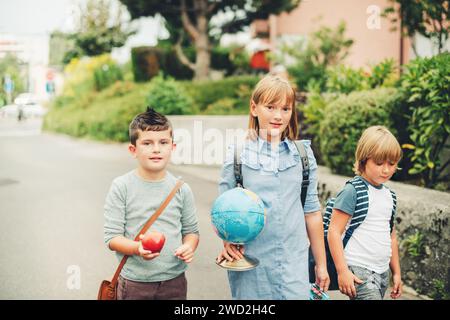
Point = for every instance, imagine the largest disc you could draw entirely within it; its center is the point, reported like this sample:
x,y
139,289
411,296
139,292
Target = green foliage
x,y
343,79
86,75
195,13
440,292
426,83
426,17
312,114
149,61
145,63
207,93
414,244
107,74
168,97
222,106
344,120
324,48
383,74
11,65
106,116
98,32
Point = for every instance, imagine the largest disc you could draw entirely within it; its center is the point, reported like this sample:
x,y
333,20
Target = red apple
x,y
153,241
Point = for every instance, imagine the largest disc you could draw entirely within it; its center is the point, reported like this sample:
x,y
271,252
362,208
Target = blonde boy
x,y
363,265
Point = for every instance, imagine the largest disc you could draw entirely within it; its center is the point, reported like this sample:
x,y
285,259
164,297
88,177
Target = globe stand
x,y
244,264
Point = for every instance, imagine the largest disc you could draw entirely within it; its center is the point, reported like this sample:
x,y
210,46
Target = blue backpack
x,y
361,209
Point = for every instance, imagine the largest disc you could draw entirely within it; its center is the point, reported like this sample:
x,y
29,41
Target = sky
x,y
37,17
34,16
41,17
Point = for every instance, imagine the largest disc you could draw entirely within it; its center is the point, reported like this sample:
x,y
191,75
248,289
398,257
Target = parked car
x,y
30,107
10,110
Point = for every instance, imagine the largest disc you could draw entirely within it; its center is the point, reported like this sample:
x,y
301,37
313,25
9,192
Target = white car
x,y
25,98
30,107
10,110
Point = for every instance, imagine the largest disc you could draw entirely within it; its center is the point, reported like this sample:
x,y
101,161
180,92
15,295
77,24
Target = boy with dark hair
x,y
133,198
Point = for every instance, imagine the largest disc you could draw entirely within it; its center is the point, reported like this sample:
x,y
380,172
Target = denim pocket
x,y
362,273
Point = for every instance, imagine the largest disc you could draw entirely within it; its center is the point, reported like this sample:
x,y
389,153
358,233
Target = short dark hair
x,y
149,120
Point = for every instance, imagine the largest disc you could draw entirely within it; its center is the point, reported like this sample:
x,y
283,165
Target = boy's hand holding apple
x,y
150,245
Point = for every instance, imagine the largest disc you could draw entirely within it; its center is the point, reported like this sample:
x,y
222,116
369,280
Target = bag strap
x,y
305,170
146,227
238,166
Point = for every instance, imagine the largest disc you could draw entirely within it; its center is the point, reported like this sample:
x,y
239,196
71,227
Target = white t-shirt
x,y
370,244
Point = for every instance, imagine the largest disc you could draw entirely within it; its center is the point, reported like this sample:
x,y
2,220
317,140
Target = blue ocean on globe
x,y
238,216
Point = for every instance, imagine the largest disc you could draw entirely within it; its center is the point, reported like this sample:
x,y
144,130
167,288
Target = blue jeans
x,y
374,284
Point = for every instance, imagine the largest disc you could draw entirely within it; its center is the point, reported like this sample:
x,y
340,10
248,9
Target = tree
x,y
98,31
11,66
426,17
311,56
192,17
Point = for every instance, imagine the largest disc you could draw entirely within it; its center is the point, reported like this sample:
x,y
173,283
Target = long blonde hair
x,y
376,143
274,89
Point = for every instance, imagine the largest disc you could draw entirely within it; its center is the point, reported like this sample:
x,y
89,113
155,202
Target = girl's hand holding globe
x,y
230,252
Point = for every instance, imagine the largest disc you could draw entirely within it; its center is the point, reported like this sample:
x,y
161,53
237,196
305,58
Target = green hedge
x,y
106,117
347,117
147,62
168,97
207,93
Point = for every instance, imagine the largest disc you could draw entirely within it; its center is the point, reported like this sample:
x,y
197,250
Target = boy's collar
x,y
368,183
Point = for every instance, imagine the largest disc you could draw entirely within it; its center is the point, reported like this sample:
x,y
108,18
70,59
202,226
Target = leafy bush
x,y
311,115
168,97
82,81
346,117
383,74
345,79
145,63
414,244
206,93
325,47
426,82
221,107
106,117
107,74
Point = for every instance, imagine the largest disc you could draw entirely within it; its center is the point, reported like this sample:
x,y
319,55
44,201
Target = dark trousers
x,y
173,289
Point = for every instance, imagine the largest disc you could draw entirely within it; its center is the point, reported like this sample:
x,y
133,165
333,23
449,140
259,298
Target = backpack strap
x,y
238,166
327,215
394,209
361,208
305,170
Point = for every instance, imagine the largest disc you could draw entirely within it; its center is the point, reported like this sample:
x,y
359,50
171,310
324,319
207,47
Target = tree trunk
x,y
203,59
199,35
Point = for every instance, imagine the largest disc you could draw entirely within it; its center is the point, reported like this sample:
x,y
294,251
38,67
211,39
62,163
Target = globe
x,y
238,216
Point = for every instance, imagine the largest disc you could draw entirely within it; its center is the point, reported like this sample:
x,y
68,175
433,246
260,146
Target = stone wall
x,y
423,230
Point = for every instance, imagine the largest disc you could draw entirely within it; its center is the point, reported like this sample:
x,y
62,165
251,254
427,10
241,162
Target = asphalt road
x,y
52,191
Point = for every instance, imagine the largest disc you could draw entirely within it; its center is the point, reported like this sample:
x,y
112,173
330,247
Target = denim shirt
x,y
282,247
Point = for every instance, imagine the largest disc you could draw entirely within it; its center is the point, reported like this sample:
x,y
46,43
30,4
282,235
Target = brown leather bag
x,y
108,289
